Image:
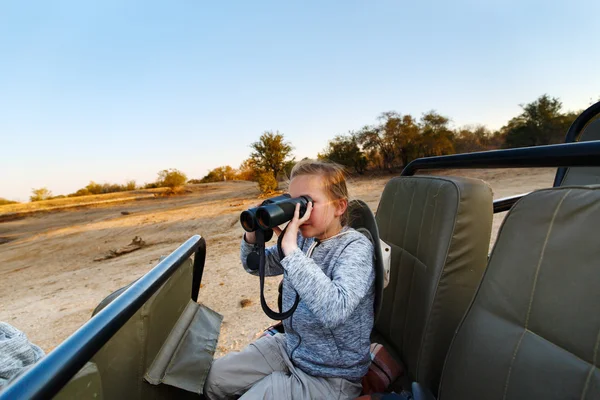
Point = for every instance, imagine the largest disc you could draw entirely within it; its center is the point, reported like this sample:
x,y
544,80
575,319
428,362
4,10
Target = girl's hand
x,y
250,237
289,242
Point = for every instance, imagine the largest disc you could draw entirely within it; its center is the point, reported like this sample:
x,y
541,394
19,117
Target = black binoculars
x,y
273,212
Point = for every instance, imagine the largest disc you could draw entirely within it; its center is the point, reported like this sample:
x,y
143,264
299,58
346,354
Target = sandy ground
x,y
49,283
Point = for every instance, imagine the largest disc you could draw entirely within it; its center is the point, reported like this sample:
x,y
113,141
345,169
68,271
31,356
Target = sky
x,y
115,90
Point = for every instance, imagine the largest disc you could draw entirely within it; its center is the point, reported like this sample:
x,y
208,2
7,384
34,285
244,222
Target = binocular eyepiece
x,y
273,212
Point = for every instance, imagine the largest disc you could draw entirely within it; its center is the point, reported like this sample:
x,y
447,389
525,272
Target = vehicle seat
x,y
533,329
584,175
439,230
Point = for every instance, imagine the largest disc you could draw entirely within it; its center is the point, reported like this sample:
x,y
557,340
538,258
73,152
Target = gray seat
x,y
533,329
439,230
584,175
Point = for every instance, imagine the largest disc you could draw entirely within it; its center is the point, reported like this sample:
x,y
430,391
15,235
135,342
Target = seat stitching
x,y
424,334
535,278
557,346
400,262
412,278
592,368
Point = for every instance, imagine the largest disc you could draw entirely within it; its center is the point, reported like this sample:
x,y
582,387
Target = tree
x,y
171,178
344,150
395,138
247,170
408,139
94,188
267,182
271,153
436,135
475,138
377,140
541,122
220,174
130,185
40,194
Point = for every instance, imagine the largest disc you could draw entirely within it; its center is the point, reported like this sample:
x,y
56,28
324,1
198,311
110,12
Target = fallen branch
x,y
136,244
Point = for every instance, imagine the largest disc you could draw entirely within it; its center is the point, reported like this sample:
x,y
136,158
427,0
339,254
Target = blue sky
x,y
116,90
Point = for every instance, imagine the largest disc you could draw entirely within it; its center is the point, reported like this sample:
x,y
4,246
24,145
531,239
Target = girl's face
x,y
324,220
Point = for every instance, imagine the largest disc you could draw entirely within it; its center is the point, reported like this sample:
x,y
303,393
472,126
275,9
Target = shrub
x,y
267,182
171,178
4,201
40,194
130,185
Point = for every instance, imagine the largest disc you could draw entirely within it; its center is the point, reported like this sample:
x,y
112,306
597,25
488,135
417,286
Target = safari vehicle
x,y
520,323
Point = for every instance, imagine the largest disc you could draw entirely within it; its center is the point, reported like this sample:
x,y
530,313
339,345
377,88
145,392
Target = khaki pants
x,y
263,370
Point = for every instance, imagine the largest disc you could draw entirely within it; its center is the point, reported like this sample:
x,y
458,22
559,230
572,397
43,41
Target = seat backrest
x,y
584,175
439,230
362,219
123,361
533,329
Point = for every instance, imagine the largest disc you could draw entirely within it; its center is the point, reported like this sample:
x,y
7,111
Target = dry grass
x,y
79,201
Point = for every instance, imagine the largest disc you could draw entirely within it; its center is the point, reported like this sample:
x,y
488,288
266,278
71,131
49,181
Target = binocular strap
x,y
261,273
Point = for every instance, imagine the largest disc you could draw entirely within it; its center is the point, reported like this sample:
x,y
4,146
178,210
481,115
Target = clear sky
x,y
113,90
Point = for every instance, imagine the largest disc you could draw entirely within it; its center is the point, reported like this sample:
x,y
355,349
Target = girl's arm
x,y
333,300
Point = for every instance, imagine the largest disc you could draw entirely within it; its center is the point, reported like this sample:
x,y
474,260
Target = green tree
x,y
541,122
397,138
475,138
40,194
407,139
437,137
94,188
219,174
271,153
377,140
344,150
171,178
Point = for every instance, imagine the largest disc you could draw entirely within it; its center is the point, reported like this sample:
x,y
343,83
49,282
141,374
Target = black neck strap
x,y
260,241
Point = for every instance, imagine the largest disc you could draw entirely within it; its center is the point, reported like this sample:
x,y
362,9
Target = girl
x,y
324,352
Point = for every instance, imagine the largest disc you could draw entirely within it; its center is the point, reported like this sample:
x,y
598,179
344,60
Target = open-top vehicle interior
x,y
521,322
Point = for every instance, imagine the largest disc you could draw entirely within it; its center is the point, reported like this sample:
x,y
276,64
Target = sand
x,y
50,283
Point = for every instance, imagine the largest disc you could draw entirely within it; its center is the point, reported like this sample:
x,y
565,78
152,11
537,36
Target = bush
x,y
4,201
267,182
93,188
171,178
130,185
40,194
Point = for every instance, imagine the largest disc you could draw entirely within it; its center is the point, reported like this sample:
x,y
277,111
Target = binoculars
x,y
273,212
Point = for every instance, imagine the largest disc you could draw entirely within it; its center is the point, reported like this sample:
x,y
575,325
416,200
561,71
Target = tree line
x,y
396,139
389,144
167,178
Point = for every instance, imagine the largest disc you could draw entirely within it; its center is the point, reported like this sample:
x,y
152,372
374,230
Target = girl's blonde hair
x,y
333,176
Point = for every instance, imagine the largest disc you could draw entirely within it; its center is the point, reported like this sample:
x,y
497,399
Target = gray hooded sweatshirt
x,y
329,333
